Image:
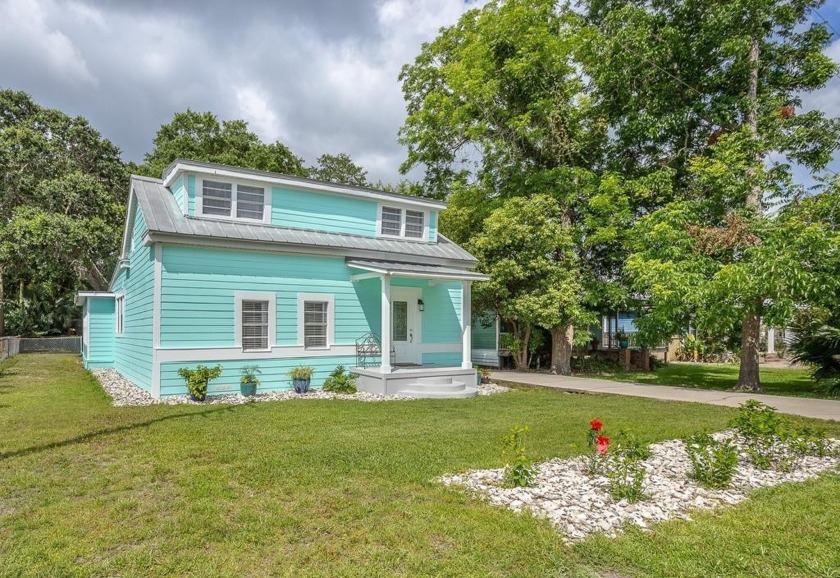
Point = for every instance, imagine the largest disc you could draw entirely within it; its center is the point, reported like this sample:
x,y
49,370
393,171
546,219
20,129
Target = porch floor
x,y
427,380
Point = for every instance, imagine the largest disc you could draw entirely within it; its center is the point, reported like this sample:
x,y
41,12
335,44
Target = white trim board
x,y
330,300
275,179
239,297
176,354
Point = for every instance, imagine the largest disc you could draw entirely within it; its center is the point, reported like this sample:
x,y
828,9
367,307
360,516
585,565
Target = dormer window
x,y
232,200
396,222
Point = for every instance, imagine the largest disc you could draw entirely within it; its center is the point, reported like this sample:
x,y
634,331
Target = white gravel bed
x,y
125,393
578,505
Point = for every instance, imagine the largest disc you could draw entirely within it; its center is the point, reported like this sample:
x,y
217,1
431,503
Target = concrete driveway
x,y
803,406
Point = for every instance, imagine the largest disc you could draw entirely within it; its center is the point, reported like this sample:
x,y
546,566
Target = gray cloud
x,y
319,75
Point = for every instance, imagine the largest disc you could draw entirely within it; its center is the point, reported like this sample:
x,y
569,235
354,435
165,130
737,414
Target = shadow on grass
x,y
113,430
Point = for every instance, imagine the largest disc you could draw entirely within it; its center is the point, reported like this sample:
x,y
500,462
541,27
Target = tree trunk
x,y
2,310
748,378
521,357
561,349
755,195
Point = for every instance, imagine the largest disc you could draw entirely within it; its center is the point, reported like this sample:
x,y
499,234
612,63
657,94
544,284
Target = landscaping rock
x,y
578,505
125,393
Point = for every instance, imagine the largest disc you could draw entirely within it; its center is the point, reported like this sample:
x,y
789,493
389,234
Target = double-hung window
x,y
315,323
395,222
119,313
232,200
254,325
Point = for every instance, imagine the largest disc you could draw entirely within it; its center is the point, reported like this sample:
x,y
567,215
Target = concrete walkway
x,y
804,406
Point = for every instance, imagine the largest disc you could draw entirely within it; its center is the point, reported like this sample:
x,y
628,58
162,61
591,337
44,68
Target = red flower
x,y
603,443
596,424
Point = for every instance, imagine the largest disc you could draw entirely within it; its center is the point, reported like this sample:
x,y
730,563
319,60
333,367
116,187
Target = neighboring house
x,y
238,267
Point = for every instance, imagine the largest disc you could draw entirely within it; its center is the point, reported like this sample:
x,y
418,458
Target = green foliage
x,y
819,347
249,375
593,364
519,470
529,256
713,462
341,381
301,372
62,203
199,136
340,169
197,379
625,469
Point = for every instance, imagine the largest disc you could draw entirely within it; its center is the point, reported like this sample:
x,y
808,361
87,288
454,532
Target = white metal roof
x,y
415,270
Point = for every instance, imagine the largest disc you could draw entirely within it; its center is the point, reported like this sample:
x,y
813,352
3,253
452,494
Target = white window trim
x,y
402,209
119,314
199,199
239,297
329,298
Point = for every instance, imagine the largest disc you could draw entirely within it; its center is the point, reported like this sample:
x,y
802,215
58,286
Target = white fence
x,y
51,344
9,347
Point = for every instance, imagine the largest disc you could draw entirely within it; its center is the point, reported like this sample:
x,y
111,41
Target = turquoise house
x,y
238,267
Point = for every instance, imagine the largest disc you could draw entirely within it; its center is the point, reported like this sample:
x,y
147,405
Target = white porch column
x,y
771,340
466,324
385,337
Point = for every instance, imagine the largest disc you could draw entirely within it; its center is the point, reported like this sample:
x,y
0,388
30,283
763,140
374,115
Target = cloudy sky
x,y
319,75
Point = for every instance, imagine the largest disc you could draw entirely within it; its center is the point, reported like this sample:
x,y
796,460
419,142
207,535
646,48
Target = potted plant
x,y
197,380
249,381
623,340
301,375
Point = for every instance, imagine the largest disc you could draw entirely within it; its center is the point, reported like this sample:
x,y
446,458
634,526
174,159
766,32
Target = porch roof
x,y
400,269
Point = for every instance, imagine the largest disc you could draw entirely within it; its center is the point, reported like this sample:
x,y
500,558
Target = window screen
x,y
255,325
217,198
391,221
250,202
414,224
315,323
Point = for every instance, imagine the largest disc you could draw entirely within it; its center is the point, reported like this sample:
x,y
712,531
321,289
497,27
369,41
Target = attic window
x,y
232,200
396,222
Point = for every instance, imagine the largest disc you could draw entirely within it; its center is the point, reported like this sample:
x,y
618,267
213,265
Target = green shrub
x,y
519,470
198,378
301,372
341,381
249,374
625,469
7,364
713,462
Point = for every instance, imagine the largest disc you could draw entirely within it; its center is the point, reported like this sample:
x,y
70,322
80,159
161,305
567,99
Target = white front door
x,y
406,324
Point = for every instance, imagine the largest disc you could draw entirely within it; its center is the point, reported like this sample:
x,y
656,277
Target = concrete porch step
x,y
434,393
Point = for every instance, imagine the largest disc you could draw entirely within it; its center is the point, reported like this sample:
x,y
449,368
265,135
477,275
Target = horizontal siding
x,y
100,352
179,191
323,212
274,375
484,337
199,286
133,349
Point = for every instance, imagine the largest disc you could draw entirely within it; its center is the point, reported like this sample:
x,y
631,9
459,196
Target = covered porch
x,y
420,342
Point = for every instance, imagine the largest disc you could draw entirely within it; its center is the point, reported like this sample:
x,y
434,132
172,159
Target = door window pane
x,y
400,321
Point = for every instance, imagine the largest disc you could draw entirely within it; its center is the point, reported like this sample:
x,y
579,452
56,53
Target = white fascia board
x,y
82,296
300,185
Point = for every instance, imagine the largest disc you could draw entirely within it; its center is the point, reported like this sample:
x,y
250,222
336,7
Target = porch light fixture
x,y
420,304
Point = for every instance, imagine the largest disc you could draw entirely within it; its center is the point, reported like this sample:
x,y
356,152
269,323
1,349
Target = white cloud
x,y
26,31
254,108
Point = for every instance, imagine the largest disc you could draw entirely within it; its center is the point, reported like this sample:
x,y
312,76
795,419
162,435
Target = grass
x,y
327,488
775,380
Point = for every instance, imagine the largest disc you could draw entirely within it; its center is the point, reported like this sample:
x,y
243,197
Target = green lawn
x,y
776,381
330,488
